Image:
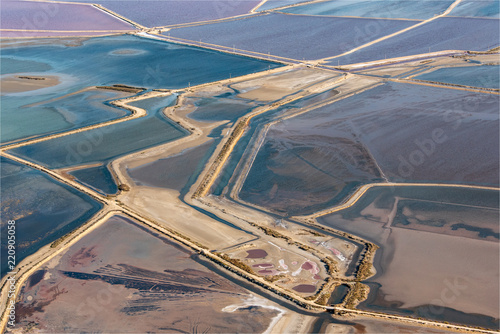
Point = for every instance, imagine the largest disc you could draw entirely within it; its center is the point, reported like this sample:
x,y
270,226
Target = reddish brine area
x,y
307,266
256,254
305,288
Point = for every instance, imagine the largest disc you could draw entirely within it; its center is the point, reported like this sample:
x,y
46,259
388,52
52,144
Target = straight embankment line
x,y
118,16
411,320
298,4
62,36
253,10
391,61
447,86
207,22
59,2
222,48
353,17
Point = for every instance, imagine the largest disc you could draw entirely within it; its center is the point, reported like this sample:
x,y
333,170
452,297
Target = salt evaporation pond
x,y
302,173
181,170
160,65
291,36
46,34
313,161
27,114
153,13
157,64
455,33
305,288
420,10
485,76
384,198
256,254
176,172
421,251
104,144
34,15
43,209
98,178
233,166
152,283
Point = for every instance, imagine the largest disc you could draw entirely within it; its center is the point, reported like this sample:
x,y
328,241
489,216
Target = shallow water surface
x,y
152,284
485,76
421,9
28,116
100,62
43,209
151,13
98,178
175,172
475,8
104,144
159,64
293,36
220,109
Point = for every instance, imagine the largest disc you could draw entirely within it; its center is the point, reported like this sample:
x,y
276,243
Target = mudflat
x,y
25,83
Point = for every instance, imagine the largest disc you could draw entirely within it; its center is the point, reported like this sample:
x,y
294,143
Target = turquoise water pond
x,y
104,144
129,60
27,116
